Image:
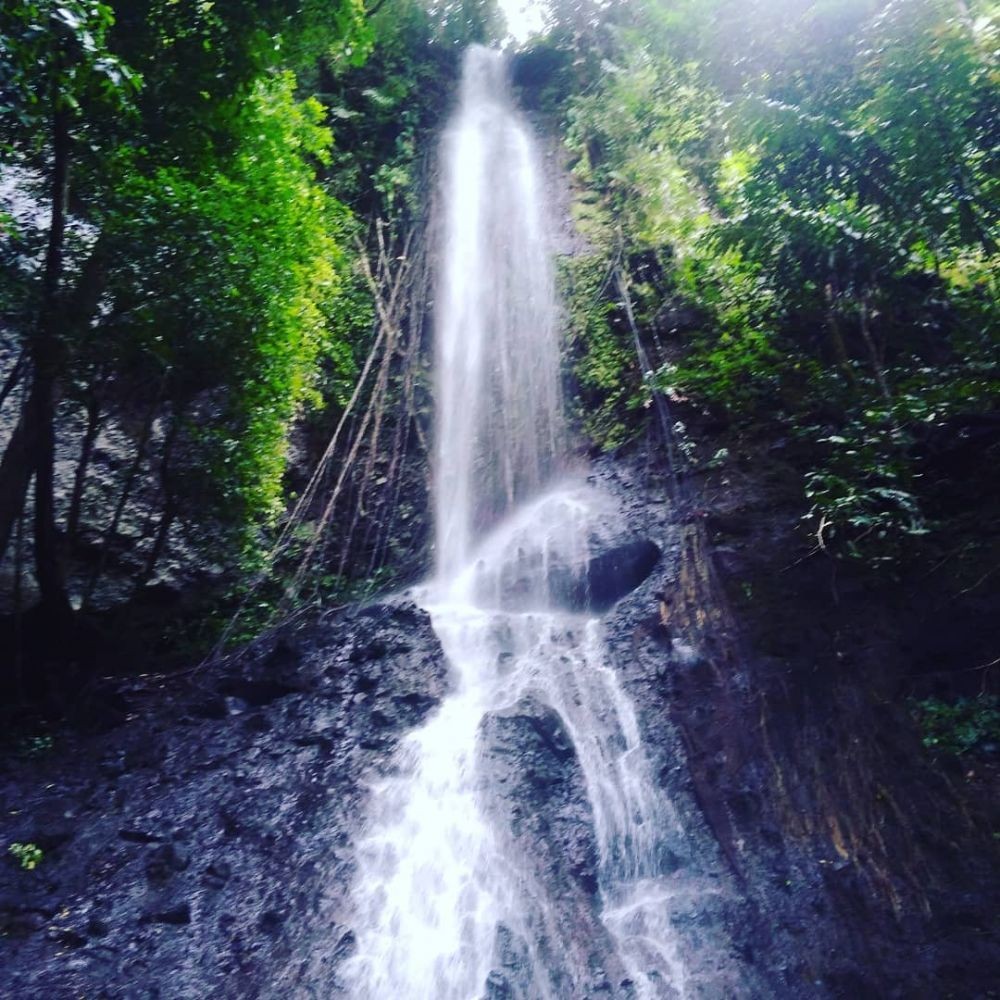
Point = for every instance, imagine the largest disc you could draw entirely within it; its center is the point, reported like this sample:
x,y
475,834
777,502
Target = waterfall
x,y
499,413
445,892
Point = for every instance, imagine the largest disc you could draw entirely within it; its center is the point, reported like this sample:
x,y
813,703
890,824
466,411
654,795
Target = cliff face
x,y
856,855
202,844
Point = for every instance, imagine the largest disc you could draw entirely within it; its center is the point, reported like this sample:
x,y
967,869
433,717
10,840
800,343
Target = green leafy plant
x,y
961,726
823,217
29,856
610,394
862,500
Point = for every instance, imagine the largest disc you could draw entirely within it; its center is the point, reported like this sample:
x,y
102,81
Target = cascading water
x,y
499,419
439,879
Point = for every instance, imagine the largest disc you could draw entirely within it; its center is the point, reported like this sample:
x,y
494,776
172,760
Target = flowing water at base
x,y
435,879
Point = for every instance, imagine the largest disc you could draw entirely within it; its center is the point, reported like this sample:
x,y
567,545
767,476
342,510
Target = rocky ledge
x,y
203,848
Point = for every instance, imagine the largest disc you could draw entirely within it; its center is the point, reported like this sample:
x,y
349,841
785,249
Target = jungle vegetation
x,y
791,206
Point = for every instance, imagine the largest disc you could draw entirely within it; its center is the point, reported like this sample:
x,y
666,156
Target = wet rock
x,y
284,658
113,765
235,849
217,874
498,987
254,693
544,800
614,574
271,921
136,836
67,936
538,796
54,825
97,928
164,861
595,584
176,914
514,979
16,920
346,945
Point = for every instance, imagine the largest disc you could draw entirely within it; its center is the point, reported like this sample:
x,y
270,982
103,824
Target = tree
x,y
817,183
189,268
58,65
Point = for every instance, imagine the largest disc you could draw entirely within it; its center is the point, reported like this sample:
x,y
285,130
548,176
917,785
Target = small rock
x,y
217,874
140,836
96,927
270,921
178,914
234,705
66,936
346,946
164,861
498,986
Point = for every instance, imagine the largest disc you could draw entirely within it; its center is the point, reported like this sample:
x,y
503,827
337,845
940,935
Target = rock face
x,y
806,801
536,795
204,848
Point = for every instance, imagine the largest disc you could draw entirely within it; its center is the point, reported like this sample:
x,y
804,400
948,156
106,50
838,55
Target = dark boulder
x,y
615,573
540,578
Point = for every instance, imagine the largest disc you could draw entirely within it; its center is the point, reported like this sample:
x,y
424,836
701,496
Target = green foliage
x,y
54,54
210,279
28,856
384,111
253,320
632,139
819,184
601,353
736,356
858,496
961,726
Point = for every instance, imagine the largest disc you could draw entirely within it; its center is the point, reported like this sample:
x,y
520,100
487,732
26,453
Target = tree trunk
x,y
837,337
46,363
16,470
159,543
82,467
130,478
873,352
13,378
18,651
169,507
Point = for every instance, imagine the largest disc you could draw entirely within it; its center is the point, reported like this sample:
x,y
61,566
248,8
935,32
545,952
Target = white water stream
x,y
435,879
